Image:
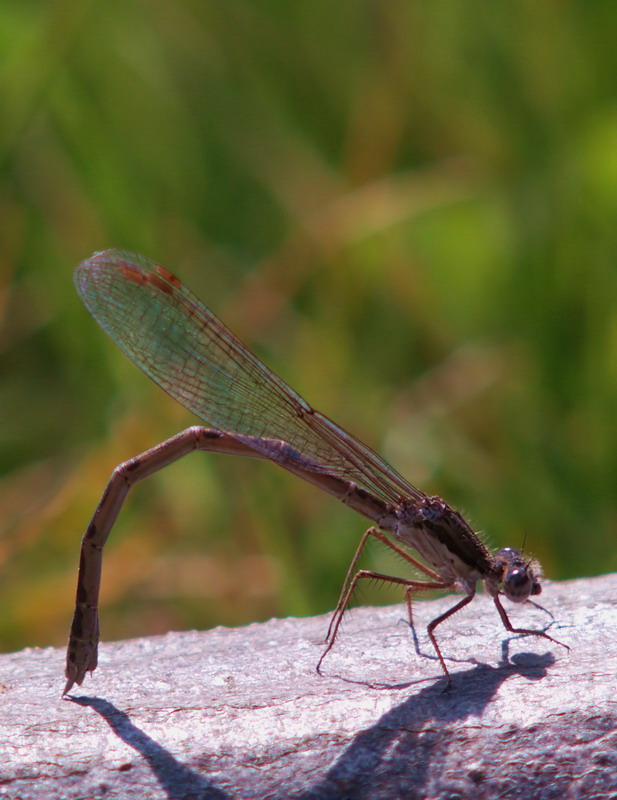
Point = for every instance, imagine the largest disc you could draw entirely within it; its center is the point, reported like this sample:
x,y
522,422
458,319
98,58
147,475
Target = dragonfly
x,y
250,411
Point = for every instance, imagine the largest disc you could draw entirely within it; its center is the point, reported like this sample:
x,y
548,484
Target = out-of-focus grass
x,y
407,209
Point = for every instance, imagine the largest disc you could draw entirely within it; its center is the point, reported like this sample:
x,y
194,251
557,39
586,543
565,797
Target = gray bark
x,y
241,713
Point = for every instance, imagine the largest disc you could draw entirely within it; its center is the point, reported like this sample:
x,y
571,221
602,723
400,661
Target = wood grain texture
x,y
241,713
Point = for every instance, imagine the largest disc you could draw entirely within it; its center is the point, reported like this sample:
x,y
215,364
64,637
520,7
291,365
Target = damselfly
x,y
179,343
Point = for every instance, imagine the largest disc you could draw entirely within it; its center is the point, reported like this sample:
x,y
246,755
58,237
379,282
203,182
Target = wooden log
x,y
241,713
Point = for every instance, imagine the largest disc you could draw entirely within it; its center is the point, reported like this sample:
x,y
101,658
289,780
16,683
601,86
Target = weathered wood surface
x,y
242,713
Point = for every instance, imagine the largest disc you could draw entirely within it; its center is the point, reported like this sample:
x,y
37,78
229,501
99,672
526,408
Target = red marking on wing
x,y
168,276
134,274
160,284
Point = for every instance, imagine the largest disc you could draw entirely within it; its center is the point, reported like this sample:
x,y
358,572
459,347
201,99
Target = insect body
x,y
181,344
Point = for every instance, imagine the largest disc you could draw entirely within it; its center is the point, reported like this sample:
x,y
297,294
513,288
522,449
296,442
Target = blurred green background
x,y
407,209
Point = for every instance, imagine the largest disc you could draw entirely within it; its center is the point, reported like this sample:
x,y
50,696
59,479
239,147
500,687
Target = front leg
x,y
509,627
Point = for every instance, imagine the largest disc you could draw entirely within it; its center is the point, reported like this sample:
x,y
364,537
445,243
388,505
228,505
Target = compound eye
x,y
518,585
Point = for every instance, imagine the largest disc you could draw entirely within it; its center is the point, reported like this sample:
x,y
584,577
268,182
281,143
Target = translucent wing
x,y
183,346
